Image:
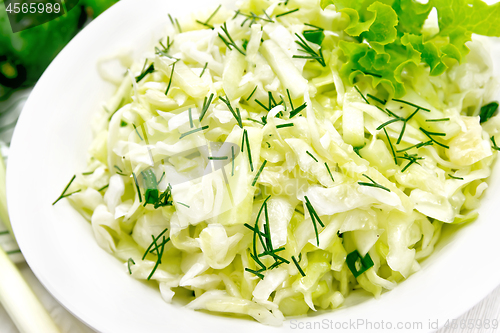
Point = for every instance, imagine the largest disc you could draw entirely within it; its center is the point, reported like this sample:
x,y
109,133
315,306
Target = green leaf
x,y
389,36
488,111
412,15
383,29
314,36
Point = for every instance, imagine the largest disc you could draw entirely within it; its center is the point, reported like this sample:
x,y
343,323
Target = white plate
x,y
50,145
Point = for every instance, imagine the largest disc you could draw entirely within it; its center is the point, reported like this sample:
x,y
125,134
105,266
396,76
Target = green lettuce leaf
x,y
390,36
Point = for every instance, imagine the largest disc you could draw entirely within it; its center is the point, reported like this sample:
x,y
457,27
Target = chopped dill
x,y
204,69
377,99
392,147
103,188
154,242
411,104
149,70
63,194
296,111
430,134
183,135
137,187
284,125
231,42
136,131
259,172
158,261
161,178
312,55
312,156
218,158
130,261
236,114
190,118
206,23
361,94
418,145
314,218
253,92
206,105
495,147
412,158
298,266
389,122
329,172
170,78
436,120
373,184
252,17
289,12
245,134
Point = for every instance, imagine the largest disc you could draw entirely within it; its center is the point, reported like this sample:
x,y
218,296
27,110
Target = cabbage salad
x,y
267,161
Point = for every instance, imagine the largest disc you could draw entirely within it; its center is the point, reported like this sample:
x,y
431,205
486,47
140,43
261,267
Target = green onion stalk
x,y
16,296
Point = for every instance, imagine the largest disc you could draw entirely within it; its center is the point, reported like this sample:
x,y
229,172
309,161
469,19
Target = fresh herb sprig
x,y
206,105
294,111
236,114
298,266
314,218
271,102
206,23
398,118
418,145
329,172
166,49
373,184
383,102
137,187
229,41
249,152
259,172
411,158
284,125
311,54
170,78
204,69
495,147
436,120
288,12
183,135
392,147
265,240
137,132
129,262
252,17
63,194
145,71
361,94
431,135
175,23
312,156
251,94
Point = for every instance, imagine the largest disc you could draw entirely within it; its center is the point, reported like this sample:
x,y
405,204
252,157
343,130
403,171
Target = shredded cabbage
x,y
239,164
